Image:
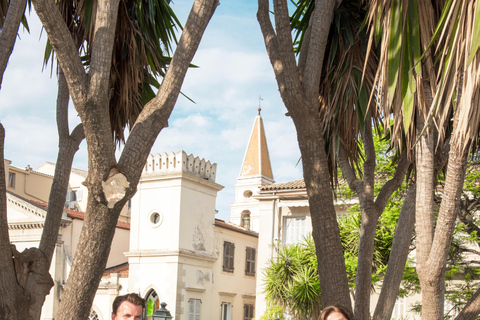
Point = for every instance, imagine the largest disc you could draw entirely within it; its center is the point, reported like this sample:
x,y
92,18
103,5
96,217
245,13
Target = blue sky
x,y
234,71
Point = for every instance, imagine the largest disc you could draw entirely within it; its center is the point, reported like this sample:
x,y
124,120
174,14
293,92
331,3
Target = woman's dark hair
x,y
328,310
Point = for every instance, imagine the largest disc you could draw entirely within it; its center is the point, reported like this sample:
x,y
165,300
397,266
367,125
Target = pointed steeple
x,y
257,160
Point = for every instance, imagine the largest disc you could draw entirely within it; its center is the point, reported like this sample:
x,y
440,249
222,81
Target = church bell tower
x,y
256,172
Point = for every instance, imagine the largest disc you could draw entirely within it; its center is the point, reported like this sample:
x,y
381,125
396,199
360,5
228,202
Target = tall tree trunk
x,y
398,258
110,185
435,274
370,214
36,262
432,305
8,33
298,85
67,147
326,234
14,299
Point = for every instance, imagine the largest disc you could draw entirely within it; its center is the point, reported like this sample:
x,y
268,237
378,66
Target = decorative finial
x,y
259,103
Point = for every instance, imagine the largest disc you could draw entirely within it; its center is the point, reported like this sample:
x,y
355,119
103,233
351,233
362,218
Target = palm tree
x,y
291,280
429,81
348,115
145,36
91,69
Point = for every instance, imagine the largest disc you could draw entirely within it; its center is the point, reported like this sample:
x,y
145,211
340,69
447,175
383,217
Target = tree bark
x,y
371,209
67,147
91,102
8,34
299,91
32,275
471,310
13,297
398,258
432,304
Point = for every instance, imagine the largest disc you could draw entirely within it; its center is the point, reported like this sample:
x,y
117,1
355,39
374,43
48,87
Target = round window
x,y
248,194
156,218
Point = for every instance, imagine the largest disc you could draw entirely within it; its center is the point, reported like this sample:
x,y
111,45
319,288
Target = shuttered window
x,y
294,230
194,309
247,311
228,256
250,261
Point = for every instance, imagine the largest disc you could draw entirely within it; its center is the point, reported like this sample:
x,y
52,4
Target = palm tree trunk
x,y
432,306
8,34
398,258
14,299
331,262
67,147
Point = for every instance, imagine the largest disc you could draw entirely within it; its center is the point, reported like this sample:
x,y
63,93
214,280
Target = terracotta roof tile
x,y
121,268
74,214
234,227
296,184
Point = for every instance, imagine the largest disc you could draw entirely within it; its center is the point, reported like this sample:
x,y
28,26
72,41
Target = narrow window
x,y
399,311
11,180
71,196
247,311
246,219
152,304
250,261
226,311
228,256
194,309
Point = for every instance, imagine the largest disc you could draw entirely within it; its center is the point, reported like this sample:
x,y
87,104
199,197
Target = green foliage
x,y
350,236
273,311
291,280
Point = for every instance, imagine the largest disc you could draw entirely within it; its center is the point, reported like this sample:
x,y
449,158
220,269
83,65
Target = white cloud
x,y
234,71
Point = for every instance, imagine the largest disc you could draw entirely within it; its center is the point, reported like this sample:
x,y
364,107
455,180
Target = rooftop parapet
x,y
180,162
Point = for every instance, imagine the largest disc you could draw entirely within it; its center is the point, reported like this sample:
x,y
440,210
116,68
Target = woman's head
x,y
334,313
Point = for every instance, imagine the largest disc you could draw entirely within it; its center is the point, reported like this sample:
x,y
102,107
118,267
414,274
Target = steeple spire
x,y
257,159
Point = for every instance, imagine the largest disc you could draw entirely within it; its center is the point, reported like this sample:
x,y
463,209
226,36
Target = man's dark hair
x,y
130,297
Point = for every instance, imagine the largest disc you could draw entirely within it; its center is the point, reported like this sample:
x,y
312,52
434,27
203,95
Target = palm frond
x,y
145,37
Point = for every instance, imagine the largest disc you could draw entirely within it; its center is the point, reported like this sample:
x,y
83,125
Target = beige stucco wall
x,y
29,184
235,288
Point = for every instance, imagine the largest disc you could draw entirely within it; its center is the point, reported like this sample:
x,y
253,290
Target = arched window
x,y
93,315
246,219
152,304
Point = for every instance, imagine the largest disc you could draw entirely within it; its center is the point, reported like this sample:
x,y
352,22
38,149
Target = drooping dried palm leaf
x,y
145,36
428,66
344,89
140,57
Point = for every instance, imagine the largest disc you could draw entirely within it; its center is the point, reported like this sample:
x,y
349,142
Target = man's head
x,y
128,307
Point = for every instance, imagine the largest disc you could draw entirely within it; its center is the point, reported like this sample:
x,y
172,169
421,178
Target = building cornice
x,y
33,225
25,205
172,253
